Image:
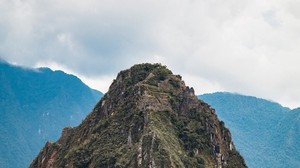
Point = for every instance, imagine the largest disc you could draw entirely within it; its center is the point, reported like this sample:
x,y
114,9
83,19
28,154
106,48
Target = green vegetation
x,y
159,74
174,82
164,130
235,160
151,122
138,73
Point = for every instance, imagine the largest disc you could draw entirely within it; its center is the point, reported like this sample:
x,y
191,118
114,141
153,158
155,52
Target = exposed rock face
x,y
148,118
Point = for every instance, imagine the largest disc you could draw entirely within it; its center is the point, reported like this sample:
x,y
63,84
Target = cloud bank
x,y
250,47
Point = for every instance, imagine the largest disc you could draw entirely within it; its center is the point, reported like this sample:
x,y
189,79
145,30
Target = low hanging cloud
x,y
244,46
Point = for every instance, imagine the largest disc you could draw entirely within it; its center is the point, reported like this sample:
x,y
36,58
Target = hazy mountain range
x,y
35,105
266,133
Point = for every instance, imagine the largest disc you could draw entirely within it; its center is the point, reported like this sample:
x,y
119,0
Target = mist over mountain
x,y
266,133
35,104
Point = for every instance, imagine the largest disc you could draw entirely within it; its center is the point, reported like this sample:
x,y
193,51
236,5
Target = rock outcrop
x,y
148,118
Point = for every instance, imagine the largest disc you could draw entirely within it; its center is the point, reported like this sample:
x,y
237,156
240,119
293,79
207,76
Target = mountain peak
x,y
148,118
151,74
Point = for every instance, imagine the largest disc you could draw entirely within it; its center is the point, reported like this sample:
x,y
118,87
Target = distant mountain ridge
x,y
35,104
266,133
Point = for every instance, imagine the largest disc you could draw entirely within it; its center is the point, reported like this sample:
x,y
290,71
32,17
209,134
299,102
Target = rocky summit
x,y
148,118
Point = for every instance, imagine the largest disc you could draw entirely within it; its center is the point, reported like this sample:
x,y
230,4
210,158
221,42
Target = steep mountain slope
x,y
288,139
259,128
148,118
35,104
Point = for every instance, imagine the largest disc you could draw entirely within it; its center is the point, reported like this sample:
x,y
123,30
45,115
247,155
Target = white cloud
x,y
242,46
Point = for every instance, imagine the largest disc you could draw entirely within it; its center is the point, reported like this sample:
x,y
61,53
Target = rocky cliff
x,y
148,118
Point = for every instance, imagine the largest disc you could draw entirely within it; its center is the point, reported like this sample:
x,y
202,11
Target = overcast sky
x,y
250,47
